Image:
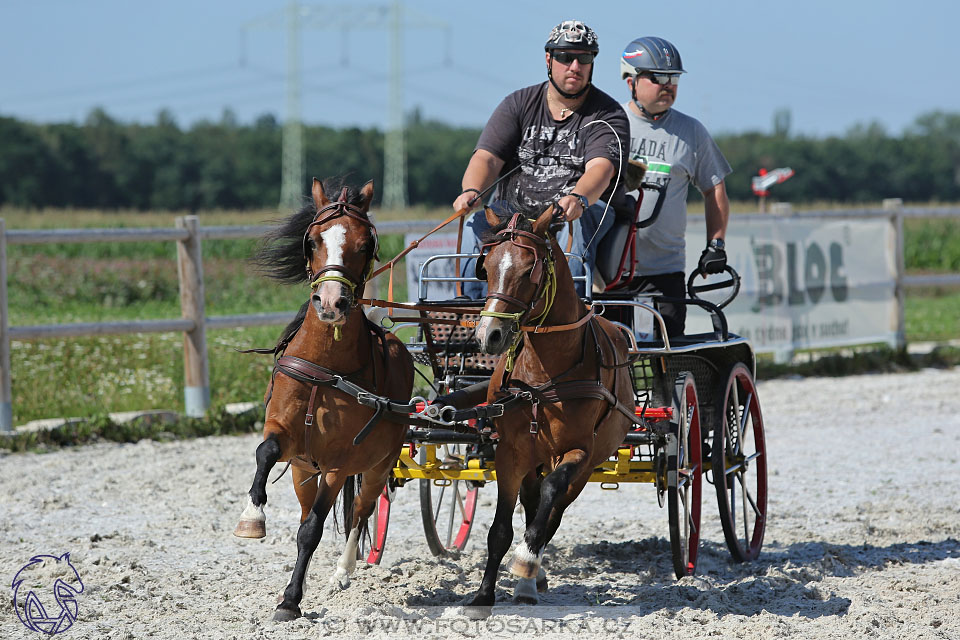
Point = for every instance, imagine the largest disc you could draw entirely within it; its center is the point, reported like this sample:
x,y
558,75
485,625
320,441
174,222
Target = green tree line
x,y
865,165
106,164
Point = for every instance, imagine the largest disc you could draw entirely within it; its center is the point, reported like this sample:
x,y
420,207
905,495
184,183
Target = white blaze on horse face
x,y
334,239
486,322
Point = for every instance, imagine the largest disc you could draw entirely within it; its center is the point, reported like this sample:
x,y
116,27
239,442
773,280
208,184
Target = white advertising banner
x,y
806,282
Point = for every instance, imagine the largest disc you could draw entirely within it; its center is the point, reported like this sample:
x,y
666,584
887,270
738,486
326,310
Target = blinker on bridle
x,y
334,210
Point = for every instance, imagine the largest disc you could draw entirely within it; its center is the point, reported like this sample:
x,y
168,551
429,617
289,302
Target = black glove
x,y
713,259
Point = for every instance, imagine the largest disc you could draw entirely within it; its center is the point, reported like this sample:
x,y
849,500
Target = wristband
x,y
583,200
476,191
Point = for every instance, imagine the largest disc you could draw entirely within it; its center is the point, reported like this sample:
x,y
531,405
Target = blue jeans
x,y
583,229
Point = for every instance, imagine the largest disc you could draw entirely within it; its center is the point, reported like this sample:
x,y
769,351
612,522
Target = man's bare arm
x,y
482,170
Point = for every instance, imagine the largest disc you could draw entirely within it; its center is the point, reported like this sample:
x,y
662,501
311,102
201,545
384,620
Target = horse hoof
x,y
251,529
286,615
541,580
478,611
340,581
526,592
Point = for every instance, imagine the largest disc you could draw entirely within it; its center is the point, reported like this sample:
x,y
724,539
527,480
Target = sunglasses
x,y
662,78
565,57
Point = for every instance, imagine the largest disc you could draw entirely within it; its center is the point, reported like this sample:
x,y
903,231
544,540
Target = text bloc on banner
x,y
808,283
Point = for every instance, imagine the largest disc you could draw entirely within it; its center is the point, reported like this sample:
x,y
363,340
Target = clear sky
x,y
832,64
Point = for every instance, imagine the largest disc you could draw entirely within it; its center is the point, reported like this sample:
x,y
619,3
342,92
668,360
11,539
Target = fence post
x,y
6,393
895,206
196,390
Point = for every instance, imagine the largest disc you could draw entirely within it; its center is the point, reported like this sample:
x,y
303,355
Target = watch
x,y
717,243
583,200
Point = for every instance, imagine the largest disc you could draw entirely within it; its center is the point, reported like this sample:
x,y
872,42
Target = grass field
x,y
100,282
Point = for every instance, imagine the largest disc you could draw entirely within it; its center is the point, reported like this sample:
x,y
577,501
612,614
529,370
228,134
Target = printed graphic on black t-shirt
x,y
551,161
552,154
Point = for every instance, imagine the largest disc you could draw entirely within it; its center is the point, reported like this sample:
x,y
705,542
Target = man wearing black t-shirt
x,y
567,137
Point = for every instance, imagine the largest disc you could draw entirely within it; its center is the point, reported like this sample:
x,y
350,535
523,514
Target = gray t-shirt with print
x,y
553,153
680,145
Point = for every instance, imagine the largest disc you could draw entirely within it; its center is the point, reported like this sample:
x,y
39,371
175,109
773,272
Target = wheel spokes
x,y
748,499
461,505
746,513
436,513
745,416
453,511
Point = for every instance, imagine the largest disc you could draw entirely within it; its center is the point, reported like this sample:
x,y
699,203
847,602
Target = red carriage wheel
x,y
739,463
684,476
448,507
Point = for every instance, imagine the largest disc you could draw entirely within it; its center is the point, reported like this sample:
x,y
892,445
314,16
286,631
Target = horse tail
x,y
351,488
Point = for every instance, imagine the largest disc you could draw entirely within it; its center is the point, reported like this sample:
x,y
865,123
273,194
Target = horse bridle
x,y
334,210
543,274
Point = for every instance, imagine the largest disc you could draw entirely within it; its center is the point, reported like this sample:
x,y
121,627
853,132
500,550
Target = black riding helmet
x,y
650,54
571,34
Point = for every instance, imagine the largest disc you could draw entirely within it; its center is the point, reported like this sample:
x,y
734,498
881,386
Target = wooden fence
x,y
193,321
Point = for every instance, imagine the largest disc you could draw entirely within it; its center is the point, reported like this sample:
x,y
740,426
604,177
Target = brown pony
x,y
329,353
580,398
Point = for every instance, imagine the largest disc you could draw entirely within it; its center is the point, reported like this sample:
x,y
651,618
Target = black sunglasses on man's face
x,y
565,57
662,78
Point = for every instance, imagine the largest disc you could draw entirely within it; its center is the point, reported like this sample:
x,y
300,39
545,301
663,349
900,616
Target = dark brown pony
x,y
312,418
580,394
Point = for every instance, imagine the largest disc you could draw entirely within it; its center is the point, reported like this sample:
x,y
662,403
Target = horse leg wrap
x,y
526,563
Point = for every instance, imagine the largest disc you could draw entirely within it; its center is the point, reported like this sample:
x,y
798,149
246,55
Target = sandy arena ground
x,y
862,539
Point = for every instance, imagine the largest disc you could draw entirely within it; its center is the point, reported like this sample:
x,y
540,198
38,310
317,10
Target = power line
x,y
151,80
345,18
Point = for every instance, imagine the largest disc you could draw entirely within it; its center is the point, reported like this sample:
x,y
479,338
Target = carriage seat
x,y
612,253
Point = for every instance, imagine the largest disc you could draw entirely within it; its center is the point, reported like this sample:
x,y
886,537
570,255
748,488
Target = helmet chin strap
x,y
643,110
568,96
652,116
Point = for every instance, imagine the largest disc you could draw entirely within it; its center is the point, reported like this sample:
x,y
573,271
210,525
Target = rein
x,y
469,324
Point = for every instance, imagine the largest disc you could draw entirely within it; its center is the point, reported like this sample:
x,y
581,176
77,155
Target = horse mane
x,y
279,255
504,210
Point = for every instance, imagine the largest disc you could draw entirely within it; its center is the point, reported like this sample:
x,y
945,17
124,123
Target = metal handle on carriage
x,y
733,282
661,190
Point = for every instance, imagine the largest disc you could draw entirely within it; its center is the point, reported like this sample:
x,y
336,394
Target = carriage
x,y
695,396
669,411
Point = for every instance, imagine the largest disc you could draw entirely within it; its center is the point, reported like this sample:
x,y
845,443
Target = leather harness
x,y
554,391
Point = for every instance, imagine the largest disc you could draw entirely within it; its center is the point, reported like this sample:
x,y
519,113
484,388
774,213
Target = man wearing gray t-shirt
x,y
677,148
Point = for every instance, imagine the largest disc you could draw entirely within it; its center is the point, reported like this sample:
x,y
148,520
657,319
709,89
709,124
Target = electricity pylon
x,y
396,18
